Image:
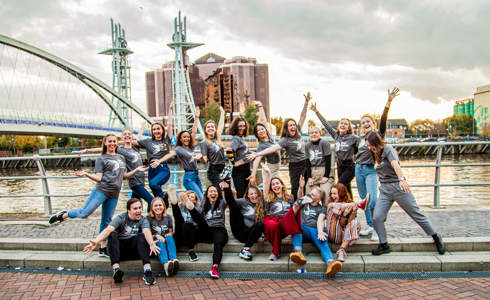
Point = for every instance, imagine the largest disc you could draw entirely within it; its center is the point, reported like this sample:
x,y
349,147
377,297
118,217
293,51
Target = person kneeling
x,y
129,238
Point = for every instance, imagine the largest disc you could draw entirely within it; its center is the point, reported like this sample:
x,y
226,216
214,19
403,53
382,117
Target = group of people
x,y
317,209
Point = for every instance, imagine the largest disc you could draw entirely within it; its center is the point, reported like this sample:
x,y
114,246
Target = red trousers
x,y
277,228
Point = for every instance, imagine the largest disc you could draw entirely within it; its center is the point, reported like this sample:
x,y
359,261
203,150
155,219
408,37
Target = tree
x,y
459,124
251,117
211,112
277,121
422,127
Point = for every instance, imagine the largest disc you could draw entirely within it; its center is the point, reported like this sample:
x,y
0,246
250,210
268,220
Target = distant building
x,y
395,128
464,107
481,105
232,83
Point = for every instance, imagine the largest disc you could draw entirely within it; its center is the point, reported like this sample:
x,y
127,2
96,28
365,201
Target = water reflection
x,y
449,195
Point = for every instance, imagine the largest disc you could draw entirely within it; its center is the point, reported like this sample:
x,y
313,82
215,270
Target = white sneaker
x,y
366,231
374,237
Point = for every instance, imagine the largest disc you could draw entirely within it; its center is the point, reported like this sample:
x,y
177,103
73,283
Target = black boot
x,y
57,218
382,249
439,244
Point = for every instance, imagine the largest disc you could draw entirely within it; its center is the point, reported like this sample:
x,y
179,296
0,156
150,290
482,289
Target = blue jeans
x,y
95,199
367,182
168,251
157,177
140,192
192,182
310,234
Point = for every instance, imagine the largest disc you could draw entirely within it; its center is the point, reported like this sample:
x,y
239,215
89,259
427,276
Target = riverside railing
x,y
46,195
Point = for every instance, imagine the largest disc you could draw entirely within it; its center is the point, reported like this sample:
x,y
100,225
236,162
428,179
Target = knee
x,y
113,235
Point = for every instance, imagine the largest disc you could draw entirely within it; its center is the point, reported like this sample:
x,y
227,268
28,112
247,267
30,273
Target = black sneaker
x,y
148,278
176,266
439,244
117,274
57,217
193,256
382,249
103,252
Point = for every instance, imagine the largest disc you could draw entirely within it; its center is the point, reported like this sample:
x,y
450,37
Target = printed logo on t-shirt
x,y
315,155
298,144
213,214
115,165
362,143
279,206
216,147
309,212
130,230
133,157
160,229
341,146
248,210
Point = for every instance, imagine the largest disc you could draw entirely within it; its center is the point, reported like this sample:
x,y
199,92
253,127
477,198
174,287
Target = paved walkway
x,y
48,286
448,223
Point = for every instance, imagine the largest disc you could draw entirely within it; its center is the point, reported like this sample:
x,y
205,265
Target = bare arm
x,y
102,236
267,182
384,117
97,177
398,170
324,122
168,156
320,223
131,173
86,151
149,240
301,194
261,116
170,123
302,117
264,152
221,122
255,167
197,113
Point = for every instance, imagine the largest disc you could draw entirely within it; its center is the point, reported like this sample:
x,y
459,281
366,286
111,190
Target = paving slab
x,y
401,263
13,258
55,259
476,261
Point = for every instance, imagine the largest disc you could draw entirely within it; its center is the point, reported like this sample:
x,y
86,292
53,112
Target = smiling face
x,y
262,133
334,194
127,136
111,144
367,124
343,126
191,197
314,134
316,195
212,194
241,128
276,187
292,128
157,207
157,131
210,129
253,195
135,211
185,139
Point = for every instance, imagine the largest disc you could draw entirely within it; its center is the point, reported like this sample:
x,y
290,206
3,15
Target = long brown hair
x,y
344,195
271,197
256,128
233,130
152,213
179,139
259,206
377,142
350,130
164,140
104,147
217,135
285,131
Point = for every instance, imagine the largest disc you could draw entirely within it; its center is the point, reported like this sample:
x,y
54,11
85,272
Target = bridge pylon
x,y
184,106
121,73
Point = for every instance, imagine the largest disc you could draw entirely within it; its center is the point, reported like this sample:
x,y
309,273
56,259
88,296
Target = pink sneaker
x,y
214,272
341,255
273,257
364,204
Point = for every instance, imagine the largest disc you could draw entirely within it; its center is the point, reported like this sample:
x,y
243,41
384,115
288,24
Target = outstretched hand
x,y
90,247
393,93
313,107
154,249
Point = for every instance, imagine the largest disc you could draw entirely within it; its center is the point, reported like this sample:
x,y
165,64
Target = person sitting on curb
x,y
129,238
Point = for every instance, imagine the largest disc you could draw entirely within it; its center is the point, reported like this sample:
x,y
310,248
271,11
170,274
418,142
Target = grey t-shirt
x,y
272,158
317,152
127,228
112,168
247,209
214,153
364,156
239,147
294,147
185,156
186,215
278,208
310,213
161,227
385,171
346,146
154,149
133,160
216,218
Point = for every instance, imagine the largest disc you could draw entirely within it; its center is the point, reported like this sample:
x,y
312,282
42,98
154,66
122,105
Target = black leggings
x,y
186,233
346,171
296,169
211,235
248,236
214,171
128,249
240,175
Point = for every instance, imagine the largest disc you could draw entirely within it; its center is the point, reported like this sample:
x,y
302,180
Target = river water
x,y
450,196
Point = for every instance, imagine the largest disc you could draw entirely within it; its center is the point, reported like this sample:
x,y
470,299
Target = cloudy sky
x,y
347,53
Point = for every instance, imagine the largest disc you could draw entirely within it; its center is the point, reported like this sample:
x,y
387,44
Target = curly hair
x,y
259,206
233,130
179,139
344,195
271,197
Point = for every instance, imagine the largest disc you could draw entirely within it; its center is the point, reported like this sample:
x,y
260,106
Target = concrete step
x,y
360,262
234,246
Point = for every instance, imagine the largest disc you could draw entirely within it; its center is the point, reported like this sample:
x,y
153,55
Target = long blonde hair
x,y
217,135
272,197
259,206
152,213
372,120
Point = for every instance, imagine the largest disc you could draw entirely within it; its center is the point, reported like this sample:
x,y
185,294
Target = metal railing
x,y
46,195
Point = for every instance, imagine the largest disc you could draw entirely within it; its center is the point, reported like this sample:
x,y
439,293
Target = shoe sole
x,y
244,257
336,267
213,276
148,283
172,196
382,252
118,276
56,217
104,255
176,266
170,268
194,259
297,259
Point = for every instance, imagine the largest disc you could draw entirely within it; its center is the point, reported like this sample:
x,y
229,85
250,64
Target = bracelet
x,y
403,178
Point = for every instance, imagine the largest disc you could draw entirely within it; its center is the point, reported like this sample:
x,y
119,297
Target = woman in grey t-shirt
x,y
212,149
272,160
110,169
394,187
241,164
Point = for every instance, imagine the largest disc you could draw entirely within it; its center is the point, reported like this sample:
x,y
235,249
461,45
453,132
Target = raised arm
x,y
221,122
170,119
197,113
261,116
324,122
302,117
267,181
255,167
384,117
140,134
